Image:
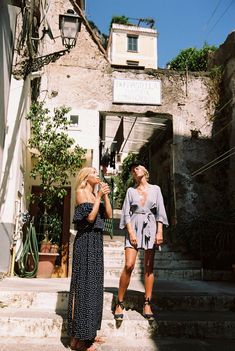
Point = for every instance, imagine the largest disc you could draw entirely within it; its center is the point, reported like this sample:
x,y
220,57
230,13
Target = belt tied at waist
x,y
146,222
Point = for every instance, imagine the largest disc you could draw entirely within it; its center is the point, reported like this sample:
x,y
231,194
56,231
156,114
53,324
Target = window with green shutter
x,y
132,43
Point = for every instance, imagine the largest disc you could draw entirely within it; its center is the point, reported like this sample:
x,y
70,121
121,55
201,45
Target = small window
x,y
132,63
132,43
74,120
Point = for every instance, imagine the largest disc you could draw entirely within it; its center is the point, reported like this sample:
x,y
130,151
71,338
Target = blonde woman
x,y
143,215
86,290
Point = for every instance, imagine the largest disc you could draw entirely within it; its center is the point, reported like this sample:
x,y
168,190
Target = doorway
x,y
148,134
63,211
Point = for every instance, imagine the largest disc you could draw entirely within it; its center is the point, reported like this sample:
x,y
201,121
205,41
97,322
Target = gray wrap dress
x,y
143,218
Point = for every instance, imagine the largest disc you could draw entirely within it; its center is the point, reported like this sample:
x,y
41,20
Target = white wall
x,y
13,166
86,135
7,32
87,132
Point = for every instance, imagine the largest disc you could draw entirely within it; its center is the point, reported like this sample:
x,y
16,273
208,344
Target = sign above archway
x,y
141,92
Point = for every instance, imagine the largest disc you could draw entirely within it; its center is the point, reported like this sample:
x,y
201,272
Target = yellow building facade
x,y
132,45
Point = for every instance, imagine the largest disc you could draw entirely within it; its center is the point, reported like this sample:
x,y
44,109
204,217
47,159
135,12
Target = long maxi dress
x,y
86,288
143,218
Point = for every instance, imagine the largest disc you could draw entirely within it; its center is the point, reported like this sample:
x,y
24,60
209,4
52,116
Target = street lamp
x,y
69,25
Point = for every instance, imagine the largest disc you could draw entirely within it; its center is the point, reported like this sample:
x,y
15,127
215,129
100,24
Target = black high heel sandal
x,y
119,316
148,316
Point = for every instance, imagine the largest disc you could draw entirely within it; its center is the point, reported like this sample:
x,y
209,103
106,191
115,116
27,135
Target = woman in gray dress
x,y
143,215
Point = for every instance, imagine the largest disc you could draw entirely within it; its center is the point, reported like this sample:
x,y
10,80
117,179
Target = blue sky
x,y
180,23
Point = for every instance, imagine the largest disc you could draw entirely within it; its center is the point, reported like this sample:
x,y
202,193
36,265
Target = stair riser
x,y
51,328
59,302
114,252
32,327
202,329
171,274
193,274
35,301
118,263
162,302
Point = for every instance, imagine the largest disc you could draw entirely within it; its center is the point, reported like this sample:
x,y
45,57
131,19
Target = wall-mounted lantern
x,y
69,25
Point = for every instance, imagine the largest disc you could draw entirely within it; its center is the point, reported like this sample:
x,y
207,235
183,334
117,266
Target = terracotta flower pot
x,y
45,247
54,248
46,264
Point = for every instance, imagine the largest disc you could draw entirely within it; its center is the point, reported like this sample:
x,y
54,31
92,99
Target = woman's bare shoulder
x,y
80,196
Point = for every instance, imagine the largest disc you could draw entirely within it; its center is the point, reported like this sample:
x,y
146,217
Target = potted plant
x,y
55,159
45,244
52,228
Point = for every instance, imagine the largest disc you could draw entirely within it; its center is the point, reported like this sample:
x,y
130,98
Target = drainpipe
x,y
173,182
186,81
15,237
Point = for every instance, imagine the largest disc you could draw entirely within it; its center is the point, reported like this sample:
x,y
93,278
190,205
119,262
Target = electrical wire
x,y
220,130
216,114
213,163
199,169
233,153
222,15
214,11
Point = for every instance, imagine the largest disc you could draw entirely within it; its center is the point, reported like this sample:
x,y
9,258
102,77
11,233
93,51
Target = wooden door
x,y
63,210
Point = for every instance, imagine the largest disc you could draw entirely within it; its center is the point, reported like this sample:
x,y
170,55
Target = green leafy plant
x,y
51,225
124,180
54,155
192,59
120,20
55,158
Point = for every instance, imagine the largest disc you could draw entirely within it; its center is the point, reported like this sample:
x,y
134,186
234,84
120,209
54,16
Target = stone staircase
x,y
191,314
167,265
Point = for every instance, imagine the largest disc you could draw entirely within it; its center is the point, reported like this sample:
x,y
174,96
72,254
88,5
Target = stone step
x,y
120,344
120,241
118,252
53,293
163,301
168,274
37,324
166,264
58,301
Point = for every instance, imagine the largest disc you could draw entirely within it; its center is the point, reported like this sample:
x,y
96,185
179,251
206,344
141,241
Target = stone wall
x,y
83,79
224,125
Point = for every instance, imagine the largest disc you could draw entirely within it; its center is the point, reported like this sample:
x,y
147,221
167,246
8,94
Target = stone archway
x,y
150,135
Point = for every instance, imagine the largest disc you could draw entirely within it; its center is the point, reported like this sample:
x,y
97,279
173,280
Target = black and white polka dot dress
x,y
86,289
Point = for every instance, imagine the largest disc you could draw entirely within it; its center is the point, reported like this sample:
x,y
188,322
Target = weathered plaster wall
x,y
224,125
83,79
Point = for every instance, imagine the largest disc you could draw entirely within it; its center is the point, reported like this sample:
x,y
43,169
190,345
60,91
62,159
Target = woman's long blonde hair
x,y
82,177
146,172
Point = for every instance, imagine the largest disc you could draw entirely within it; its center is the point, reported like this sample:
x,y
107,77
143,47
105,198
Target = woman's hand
x,y
159,238
104,189
133,240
